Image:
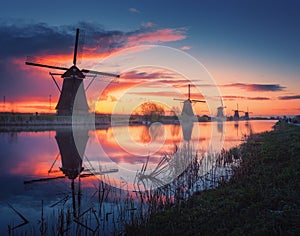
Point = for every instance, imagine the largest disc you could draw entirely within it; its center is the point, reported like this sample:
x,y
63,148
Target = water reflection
x,y
31,156
220,126
71,153
170,165
187,129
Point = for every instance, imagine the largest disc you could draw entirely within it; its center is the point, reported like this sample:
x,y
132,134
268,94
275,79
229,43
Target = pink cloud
x,y
161,35
185,48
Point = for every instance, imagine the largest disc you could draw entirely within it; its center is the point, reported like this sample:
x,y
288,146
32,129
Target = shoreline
x,y
45,126
261,198
50,122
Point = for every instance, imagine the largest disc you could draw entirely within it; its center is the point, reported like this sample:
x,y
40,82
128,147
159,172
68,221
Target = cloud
x,y
56,42
159,77
185,48
258,98
230,98
169,94
133,75
40,38
256,87
289,97
158,94
156,36
133,10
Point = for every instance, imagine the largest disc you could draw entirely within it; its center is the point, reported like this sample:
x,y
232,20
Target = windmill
x,y
220,114
187,110
247,114
72,95
236,115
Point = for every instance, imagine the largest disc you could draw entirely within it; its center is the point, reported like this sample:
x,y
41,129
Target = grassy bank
x,y
262,197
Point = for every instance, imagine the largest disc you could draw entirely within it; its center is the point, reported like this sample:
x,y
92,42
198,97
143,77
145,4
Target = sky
x,y
249,51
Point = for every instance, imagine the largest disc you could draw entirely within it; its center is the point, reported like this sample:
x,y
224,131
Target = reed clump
x,y
261,197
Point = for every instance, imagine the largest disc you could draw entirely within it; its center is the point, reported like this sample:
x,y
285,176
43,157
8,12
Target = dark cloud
x,y
289,97
23,40
144,75
258,98
169,94
256,87
244,98
19,40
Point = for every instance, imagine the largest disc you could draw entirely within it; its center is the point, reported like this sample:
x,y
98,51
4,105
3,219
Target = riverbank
x,y
261,198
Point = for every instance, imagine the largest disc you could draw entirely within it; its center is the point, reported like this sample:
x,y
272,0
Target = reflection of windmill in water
x,y
72,95
187,110
187,129
71,153
170,166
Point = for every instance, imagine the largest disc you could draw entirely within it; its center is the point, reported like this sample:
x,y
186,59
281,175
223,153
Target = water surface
x,y
50,162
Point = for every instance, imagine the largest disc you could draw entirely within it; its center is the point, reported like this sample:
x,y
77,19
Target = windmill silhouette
x,y
187,110
72,95
247,114
220,114
236,115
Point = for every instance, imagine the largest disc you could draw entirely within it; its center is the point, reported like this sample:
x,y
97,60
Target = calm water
x,y
34,165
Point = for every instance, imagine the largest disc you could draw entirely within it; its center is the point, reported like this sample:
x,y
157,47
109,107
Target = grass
x,y
261,198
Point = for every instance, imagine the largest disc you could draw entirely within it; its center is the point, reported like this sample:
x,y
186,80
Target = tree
x,y
152,111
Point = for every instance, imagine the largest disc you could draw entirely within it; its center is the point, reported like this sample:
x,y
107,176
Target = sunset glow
x,y
248,69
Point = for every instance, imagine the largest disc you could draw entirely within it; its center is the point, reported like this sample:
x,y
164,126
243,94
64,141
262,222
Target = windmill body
x,y
220,117
246,115
236,115
220,112
187,110
72,97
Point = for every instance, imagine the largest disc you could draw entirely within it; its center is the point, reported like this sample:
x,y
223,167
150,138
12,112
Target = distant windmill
x,y
187,110
236,115
220,114
247,114
72,85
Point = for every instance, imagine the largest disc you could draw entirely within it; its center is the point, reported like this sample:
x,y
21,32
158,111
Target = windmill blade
x,y
195,100
43,179
93,79
99,73
75,47
54,80
46,66
81,42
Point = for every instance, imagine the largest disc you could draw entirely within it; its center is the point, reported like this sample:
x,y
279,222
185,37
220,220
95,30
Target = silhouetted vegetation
x,y
261,198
